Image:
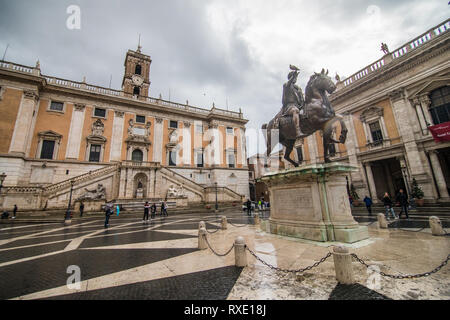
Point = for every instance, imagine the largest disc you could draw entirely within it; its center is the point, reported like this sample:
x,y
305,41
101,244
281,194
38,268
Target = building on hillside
x,y
392,107
61,136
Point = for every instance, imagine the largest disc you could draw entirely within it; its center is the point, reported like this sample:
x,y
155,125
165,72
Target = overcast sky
x,y
231,52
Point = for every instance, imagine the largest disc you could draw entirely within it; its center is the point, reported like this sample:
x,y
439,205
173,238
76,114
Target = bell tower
x,y
136,79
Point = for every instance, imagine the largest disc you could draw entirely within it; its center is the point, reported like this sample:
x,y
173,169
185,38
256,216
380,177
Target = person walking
x,y
108,209
153,211
368,201
146,210
388,206
402,199
249,207
163,209
81,209
14,211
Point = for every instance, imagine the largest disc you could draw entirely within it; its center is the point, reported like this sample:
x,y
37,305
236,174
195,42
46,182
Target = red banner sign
x,y
441,132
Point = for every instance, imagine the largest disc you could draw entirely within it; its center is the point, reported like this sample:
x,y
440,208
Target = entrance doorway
x,y
444,159
388,177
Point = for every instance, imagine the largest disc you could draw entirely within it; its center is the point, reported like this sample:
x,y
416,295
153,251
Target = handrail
x,y
64,183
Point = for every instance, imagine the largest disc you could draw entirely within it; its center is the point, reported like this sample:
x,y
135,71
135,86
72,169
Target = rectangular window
x,y
172,158
99,112
440,114
375,130
198,128
48,147
230,130
173,124
140,119
94,154
200,160
57,106
231,162
300,154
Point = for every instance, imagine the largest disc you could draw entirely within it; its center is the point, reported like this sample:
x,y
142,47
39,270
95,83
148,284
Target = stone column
x,y
440,180
388,176
425,103
117,137
371,182
187,147
420,114
158,141
243,147
75,131
412,153
23,125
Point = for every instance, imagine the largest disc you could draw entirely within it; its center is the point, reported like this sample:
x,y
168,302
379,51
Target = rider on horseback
x,y
293,101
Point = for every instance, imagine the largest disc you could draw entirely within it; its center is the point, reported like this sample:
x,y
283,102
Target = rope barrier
x,y
414,276
237,226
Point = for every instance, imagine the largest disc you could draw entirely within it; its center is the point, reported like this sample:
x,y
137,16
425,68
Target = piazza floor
x,y
160,260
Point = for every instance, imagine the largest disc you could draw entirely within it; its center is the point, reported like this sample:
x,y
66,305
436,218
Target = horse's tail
x,y
268,138
264,126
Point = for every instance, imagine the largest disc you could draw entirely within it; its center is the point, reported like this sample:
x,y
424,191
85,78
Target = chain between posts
x,y
285,270
414,276
217,254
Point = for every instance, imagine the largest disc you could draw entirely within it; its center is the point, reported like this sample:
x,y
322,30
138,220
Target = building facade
x,y
390,108
61,136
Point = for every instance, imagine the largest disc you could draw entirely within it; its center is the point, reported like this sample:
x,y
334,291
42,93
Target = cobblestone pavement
x,y
160,260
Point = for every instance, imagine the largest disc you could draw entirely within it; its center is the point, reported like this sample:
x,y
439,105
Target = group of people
x,y
5,214
401,200
152,209
262,205
109,208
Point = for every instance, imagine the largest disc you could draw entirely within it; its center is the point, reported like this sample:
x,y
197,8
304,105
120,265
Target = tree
x,y
416,191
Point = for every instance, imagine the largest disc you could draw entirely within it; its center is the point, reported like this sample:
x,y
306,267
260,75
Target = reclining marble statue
x,y
309,201
94,194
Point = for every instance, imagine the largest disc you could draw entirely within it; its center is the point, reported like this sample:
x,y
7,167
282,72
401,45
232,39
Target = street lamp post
x,y
2,178
67,218
217,204
405,177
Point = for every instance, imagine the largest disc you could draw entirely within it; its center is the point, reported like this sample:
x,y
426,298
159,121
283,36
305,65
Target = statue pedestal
x,y
140,193
311,202
180,201
92,205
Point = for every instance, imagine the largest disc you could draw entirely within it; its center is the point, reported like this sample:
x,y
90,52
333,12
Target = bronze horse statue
x,y
320,116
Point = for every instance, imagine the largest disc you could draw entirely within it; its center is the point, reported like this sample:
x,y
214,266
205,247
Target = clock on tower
x,y
136,80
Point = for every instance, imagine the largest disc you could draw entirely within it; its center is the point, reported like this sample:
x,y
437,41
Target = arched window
x,y
136,91
137,155
138,69
440,105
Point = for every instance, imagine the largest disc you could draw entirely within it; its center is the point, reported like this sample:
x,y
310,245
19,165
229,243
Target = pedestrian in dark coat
x,y
146,209
108,211
368,201
388,206
81,209
249,207
402,199
153,210
14,211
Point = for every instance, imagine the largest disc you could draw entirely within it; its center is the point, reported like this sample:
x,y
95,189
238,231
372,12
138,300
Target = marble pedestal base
x,y
311,202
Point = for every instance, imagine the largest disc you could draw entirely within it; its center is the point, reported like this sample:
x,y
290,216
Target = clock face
x,y
137,80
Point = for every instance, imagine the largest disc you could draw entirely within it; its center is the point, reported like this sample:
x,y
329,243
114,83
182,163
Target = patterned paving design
x,y
206,285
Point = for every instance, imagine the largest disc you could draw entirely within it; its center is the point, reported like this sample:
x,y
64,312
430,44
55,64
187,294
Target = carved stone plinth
x,y
311,202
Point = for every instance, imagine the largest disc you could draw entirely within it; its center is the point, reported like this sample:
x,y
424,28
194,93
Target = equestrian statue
x,y
301,116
